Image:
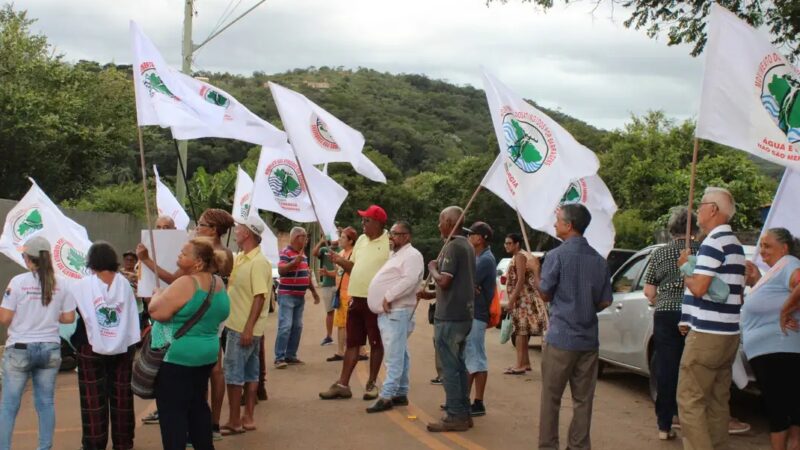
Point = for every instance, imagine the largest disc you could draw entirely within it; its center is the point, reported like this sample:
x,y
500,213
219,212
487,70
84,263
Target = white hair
x,y
723,199
295,231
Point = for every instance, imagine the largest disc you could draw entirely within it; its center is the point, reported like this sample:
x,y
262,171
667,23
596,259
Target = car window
x,y
625,278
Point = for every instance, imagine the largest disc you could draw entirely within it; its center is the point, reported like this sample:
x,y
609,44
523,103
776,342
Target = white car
x,y
626,326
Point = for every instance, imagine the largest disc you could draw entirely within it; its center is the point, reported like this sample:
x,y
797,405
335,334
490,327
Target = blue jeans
x,y
668,343
40,361
451,338
240,363
395,328
290,326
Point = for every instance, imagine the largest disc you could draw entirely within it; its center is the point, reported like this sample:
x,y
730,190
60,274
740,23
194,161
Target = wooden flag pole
x,y
691,194
147,205
524,232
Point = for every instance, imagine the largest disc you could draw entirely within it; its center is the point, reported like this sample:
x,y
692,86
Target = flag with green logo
x,y
242,208
168,205
538,158
280,187
36,215
751,93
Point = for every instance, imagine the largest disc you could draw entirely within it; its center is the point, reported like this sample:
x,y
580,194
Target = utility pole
x,y
186,68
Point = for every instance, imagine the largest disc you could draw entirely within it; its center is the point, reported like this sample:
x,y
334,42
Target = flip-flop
x,y
230,431
249,427
513,371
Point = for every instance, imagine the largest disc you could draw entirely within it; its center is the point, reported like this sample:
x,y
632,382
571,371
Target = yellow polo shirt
x,y
368,257
251,275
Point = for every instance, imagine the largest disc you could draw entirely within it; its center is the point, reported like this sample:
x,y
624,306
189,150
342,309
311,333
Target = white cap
x,y
253,223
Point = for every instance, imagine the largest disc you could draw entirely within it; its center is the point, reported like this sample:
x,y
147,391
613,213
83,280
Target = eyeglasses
x,y
707,203
397,233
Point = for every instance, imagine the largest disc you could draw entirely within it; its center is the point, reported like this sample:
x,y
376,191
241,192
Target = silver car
x,y
626,326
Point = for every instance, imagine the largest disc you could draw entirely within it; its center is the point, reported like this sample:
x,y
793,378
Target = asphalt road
x,y
294,416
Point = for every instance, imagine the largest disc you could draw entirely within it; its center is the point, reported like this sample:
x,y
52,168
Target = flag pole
x,y
524,231
147,205
691,194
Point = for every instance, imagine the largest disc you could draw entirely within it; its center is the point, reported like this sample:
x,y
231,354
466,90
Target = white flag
x,y
168,205
538,158
161,97
238,123
36,215
751,94
593,193
242,208
318,137
784,212
281,188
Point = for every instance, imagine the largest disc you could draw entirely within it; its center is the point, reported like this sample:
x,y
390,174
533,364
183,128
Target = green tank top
x,y
200,345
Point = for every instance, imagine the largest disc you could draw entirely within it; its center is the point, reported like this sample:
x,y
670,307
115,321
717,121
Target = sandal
x,y
226,430
249,427
513,371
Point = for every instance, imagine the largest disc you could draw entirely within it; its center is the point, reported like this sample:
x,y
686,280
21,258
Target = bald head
x,y
165,223
450,218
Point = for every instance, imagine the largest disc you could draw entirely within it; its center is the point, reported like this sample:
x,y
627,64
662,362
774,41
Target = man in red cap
x,y
370,252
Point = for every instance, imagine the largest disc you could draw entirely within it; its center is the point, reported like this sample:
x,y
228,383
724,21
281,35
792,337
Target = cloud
x,y
585,64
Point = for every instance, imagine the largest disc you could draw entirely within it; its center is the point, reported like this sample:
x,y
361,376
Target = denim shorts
x,y
240,363
475,348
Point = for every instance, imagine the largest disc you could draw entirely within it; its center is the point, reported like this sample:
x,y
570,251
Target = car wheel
x,y
653,384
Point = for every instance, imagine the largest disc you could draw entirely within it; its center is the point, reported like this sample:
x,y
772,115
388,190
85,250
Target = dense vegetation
x,y
72,127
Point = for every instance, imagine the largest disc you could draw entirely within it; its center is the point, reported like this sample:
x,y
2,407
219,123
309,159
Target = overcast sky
x,y
586,64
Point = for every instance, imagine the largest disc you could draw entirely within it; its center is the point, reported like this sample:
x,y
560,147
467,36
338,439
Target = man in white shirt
x,y
392,295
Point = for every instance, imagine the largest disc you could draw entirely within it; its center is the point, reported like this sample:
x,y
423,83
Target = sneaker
x,y
336,391
151,419
666,435
400,400
281,364
371,392
215,433
326,341
449,424
380,405
477,409
737,427
437,381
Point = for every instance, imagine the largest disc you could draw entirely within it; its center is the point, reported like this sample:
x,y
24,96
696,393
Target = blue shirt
x,y
720,255
761,332
577,280
485,281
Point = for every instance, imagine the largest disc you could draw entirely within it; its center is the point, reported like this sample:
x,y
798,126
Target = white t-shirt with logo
x,y
109,313
34,322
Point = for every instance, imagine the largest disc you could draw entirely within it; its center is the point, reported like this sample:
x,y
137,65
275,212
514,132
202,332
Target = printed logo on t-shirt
x,y
108,317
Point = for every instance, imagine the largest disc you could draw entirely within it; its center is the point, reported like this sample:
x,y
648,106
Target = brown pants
x,y
580,370
704,384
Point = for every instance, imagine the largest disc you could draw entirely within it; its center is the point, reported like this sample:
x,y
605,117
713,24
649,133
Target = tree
x,y
685,20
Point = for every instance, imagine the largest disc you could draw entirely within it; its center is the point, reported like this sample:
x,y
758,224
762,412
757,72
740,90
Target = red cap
x,y
374,212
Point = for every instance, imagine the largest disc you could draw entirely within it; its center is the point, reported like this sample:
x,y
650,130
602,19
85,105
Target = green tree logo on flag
x,y
577,192
69,260
152,81
27,223
284,180
526,144
780,95
214,97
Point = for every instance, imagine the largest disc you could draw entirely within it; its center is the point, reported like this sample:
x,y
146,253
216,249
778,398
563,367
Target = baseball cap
x,y
374,212
253,223
481,229
35,245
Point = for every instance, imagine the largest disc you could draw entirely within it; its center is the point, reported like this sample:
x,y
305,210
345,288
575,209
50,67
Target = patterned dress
x,y
529,316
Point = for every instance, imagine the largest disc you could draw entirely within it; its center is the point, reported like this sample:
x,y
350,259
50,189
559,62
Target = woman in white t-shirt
x,y
33,305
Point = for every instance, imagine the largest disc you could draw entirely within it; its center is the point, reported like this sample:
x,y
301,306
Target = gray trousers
x,y
580,370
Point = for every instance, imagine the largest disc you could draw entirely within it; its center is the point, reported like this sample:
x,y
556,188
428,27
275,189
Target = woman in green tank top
x,y
182,382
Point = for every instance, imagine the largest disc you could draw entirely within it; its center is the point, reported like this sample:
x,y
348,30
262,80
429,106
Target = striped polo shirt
x,y
296,282
721,255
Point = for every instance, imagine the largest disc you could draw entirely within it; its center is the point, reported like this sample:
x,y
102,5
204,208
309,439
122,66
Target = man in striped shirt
x,y
294,281
712,326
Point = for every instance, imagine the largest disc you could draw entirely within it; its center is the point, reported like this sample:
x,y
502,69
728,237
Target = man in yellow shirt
x,y
248,287
370,252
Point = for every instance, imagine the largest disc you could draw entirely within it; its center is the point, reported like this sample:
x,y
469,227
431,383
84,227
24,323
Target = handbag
x,y
148,362
505,329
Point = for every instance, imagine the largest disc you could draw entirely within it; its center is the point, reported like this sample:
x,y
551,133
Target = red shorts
x,y
361,324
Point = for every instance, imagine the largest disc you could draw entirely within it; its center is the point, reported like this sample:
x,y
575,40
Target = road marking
x,y
422,435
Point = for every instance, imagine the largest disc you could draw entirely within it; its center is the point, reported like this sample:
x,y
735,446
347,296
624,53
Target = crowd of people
x,y
212,317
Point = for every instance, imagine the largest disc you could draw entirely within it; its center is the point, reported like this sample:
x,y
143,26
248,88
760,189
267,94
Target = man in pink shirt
x,y
392,295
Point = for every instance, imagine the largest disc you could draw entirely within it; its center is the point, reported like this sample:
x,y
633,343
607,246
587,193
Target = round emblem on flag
x,y
244,210
25,223
779,86
577,192
284,179
323,137
70,261
152,81
214,97
527,139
